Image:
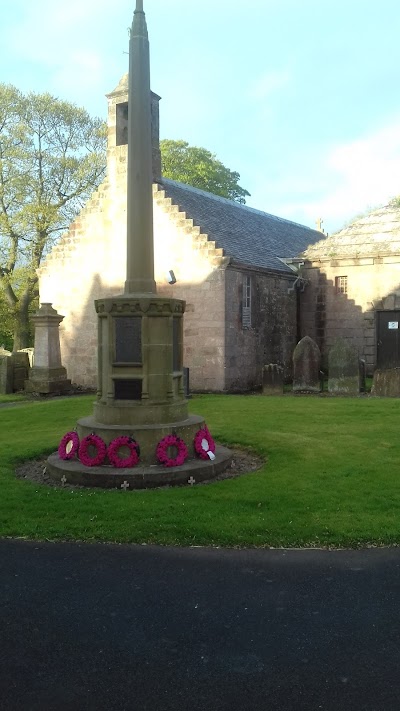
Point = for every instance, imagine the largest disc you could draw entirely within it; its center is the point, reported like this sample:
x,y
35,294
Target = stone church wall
x,y
90,262
271,336
327,314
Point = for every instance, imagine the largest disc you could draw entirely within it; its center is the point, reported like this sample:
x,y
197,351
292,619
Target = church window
x,y
341,284
246,302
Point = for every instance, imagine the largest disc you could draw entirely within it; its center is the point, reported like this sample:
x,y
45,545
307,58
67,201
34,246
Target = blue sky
x,y
300,97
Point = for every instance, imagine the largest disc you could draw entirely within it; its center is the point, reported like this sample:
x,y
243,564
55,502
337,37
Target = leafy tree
x,y
52,157
6,325
201,169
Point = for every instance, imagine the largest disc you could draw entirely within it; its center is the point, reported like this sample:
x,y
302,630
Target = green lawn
x,y
14,397
332,478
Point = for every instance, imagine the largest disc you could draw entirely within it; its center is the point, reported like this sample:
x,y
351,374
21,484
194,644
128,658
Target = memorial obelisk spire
x,y
141,399
140,250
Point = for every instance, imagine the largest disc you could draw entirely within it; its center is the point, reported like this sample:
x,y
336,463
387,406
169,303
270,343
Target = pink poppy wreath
x,y
163,447
113,452
68,446
204,445
92,440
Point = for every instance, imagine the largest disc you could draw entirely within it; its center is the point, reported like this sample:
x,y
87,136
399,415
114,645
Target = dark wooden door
x,y
388,327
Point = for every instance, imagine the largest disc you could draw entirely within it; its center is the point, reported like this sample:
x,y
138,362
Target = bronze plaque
x,y
128,339
128,389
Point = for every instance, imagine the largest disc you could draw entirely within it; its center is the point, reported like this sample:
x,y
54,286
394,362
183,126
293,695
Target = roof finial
x,y
139,6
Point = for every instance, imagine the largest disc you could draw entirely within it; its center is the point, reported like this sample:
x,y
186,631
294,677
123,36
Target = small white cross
x,y
125,486
63,480
191,481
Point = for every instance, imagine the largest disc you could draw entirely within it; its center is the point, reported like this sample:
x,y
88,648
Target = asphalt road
x,y
93,627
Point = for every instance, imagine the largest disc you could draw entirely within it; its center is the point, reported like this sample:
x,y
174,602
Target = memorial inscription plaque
x,y
129,389
128,339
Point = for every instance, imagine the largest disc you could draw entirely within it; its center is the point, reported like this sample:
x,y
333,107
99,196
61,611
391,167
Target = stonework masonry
x,y
327,314
271,336
90,263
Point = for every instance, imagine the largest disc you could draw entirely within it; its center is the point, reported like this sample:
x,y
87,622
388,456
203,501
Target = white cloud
x,y
350,178
367,174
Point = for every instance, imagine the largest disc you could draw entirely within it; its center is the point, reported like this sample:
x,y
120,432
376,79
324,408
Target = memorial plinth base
x,y
140,477
140,396
48,381
147,436
136,414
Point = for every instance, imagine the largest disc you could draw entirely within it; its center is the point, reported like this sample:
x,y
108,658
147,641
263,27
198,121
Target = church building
x,y
227,261
353,288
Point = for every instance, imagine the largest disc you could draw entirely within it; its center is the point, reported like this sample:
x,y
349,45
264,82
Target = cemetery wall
x,y
271,335
328,314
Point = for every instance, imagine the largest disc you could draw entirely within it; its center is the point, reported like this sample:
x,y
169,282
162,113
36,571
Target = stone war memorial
x,y
140,434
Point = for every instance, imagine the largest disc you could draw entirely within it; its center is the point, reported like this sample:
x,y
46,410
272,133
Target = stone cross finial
x,y
319,224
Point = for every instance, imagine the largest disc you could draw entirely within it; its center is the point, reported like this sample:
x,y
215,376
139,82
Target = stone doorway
x,y
388,339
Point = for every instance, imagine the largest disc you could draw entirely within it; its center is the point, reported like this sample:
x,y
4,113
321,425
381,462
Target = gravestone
x,y
386,383
272,379
306,366
6,372
20,367
47,375
343,369
31,355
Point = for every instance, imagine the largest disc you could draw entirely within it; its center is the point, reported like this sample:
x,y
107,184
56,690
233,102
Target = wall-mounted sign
x,y
393,325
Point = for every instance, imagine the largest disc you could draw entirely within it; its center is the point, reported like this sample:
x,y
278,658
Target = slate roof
x,y
246,235
377,233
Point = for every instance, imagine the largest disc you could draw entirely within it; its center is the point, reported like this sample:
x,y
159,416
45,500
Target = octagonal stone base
x,y
140,477
147,436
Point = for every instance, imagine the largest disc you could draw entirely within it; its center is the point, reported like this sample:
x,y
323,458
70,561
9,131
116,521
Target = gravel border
x,y
243,462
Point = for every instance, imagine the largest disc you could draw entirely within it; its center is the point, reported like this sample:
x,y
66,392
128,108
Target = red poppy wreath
x,y
68,446
114,456
94,441
204,445
163,447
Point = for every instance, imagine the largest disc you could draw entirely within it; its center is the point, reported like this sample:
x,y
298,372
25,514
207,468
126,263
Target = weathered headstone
x,y
343,369
6,372
386,383
47,375
20,366
31,355
272,379
306,366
